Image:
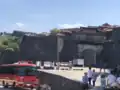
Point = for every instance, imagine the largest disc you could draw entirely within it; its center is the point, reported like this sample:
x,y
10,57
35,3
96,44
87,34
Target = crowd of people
x,y
89,78
111,80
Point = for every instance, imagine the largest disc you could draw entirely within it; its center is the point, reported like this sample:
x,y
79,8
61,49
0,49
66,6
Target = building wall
x,y
89,53
69,50
112,49
45,48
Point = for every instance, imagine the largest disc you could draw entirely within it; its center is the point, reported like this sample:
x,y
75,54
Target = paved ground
x,y
6,89
9,89
75,75
96,88
1,88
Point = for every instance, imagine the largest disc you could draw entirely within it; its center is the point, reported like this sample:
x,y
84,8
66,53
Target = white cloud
x,y
5,29
19,24
77,25
16,26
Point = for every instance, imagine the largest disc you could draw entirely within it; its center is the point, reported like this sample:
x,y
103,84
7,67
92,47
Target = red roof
x,y
20,63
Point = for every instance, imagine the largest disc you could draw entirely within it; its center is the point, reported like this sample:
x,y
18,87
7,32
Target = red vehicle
x,y
20,74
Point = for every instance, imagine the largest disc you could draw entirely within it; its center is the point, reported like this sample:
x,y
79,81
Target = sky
x,y
43,15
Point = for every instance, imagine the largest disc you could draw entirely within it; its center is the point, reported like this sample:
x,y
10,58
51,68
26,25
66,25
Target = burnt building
x,y
95,44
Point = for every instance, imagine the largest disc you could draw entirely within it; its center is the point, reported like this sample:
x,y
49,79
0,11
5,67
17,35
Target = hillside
x,y
9,42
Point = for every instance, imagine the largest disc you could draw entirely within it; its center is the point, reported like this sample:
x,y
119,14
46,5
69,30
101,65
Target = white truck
x,y
48,65
78,62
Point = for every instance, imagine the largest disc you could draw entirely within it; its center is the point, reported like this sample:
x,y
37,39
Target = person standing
x,y
103,81
111,79
85,81
94,77
90,75
118,82
117,70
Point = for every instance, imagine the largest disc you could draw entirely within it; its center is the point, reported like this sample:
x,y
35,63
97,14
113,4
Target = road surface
x,y
1,88
5,89
9,89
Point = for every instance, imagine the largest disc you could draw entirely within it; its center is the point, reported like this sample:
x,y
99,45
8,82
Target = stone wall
x,y
38,48
8,57
45,48
69,50
58,82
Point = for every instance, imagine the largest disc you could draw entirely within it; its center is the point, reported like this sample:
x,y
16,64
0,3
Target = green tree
x,y
9,43
5,43
55,31
13,43
3,47
14,46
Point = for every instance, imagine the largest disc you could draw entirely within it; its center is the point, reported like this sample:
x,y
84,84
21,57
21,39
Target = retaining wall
x,y
58,82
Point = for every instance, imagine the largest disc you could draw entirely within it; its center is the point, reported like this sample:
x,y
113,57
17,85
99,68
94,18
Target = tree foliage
x,y
5,43
9,43
55,31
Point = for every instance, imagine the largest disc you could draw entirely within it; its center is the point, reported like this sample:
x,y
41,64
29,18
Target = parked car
x,y
64,66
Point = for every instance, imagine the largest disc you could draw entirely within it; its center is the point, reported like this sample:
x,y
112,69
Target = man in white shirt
x,y
90,73
111,80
